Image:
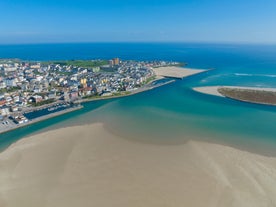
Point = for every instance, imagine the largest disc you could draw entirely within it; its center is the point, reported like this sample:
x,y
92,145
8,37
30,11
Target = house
x,y
2,84
4,111
35,99
74,95
10,82
2,102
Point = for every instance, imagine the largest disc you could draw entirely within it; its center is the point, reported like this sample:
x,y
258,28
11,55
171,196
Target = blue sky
x,y
38,21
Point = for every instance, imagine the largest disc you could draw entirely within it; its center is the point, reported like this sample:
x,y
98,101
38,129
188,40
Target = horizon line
x,y
144,42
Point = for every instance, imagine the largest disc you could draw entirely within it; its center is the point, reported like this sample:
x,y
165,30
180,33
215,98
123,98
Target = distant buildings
x,y
114,62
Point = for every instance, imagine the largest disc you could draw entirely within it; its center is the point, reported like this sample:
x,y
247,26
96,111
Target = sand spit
x,y
176,72
213,90
210,90
88,166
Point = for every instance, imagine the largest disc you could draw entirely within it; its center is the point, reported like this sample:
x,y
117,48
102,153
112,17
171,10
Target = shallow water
x,y
174,113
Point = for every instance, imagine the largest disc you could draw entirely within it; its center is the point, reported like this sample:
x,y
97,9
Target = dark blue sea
x,y
174,113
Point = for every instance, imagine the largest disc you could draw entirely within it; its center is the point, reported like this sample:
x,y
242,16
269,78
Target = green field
x,y
78,63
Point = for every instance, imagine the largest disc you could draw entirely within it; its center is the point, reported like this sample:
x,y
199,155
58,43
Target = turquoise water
x,y
174,113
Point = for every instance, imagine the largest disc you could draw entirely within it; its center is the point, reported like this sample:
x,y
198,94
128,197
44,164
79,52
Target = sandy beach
x,y
176,72
89,166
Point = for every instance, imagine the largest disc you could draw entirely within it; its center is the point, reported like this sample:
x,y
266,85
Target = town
x,y
52,86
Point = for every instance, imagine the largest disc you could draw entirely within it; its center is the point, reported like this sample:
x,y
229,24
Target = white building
x,y
3,84
10,82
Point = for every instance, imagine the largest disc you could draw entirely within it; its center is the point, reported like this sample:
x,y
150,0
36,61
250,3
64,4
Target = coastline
x,y
86,167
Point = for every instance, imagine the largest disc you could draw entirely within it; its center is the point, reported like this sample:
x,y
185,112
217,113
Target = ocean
x,y
174,113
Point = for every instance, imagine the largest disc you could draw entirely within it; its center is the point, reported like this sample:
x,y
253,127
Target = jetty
x,y
175,72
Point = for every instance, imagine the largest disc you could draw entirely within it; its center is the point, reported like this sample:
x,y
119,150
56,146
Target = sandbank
x,y
89,166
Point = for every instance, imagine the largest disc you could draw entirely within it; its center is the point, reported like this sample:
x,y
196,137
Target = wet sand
x,y
89,166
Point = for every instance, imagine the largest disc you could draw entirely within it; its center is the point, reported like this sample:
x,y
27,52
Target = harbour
x,y
37,115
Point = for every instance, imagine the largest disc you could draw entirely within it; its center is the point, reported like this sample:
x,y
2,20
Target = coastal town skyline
x,y
137,21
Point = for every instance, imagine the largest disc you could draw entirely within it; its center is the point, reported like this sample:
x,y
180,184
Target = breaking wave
x,y
260,75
